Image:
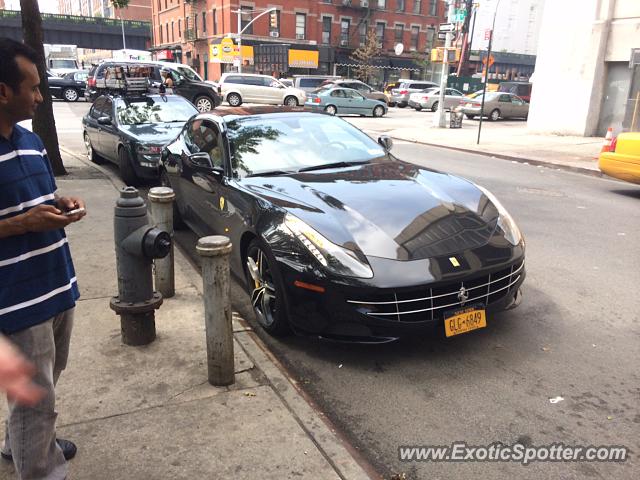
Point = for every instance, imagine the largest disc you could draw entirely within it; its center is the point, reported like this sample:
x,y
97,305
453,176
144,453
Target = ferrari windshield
x,y
286,143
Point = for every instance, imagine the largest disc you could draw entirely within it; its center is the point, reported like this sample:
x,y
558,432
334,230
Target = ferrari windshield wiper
x,y
332,165
271,173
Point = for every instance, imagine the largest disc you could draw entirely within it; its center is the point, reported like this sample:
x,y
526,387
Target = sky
x,y
48,6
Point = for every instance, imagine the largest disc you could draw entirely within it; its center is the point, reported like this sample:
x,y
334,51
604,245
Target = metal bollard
x,y
161,203
137,244
215,252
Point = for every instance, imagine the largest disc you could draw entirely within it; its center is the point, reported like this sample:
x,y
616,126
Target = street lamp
x,y
486,73
239,13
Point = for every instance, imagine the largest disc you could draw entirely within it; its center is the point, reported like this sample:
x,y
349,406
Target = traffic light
x,y
453,55
273,20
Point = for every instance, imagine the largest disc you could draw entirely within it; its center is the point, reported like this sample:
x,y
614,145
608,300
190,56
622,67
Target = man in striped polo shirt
x,y
38,287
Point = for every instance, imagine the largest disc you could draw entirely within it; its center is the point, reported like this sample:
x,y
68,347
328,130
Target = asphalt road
x,y
576,335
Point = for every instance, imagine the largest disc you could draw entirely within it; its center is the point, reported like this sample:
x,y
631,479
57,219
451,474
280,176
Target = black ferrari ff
x,y
334,235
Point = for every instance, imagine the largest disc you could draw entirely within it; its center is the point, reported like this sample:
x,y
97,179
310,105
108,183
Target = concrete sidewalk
x,y
508,140
149,412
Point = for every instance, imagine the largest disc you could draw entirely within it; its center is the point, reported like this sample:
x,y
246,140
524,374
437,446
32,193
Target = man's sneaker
x,y
69,450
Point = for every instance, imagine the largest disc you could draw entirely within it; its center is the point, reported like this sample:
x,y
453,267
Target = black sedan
x,y
131,130
335,236
69,87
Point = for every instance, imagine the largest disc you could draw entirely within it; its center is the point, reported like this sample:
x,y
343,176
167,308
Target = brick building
x,y
137,9
300,37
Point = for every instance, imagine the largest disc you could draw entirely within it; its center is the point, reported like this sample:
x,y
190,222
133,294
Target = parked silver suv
x,y
309,83
400,95
237,88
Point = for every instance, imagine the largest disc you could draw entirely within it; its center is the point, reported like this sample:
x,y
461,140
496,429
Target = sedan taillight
x,y
613,144
91,82
403,92
316,100
426,99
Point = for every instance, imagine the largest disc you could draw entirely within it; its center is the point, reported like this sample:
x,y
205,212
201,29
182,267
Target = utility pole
x,y
445,67
239,13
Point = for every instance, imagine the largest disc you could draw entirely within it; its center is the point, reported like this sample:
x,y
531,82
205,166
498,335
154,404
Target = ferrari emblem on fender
x,y
463,295
454,261
221,203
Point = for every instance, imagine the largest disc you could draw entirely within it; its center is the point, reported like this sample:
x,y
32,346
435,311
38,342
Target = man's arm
x,y
16,374
38,219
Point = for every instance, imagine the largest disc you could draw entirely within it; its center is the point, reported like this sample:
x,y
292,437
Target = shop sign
x,y
227,52
303,58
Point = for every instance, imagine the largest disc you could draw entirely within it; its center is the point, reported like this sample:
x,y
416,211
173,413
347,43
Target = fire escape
x,y
361,10
193,29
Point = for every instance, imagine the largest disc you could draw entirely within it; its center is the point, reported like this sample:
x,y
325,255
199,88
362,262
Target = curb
x,y
344,459
541,163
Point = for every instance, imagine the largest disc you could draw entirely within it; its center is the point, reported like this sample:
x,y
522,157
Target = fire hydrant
x,y
137,244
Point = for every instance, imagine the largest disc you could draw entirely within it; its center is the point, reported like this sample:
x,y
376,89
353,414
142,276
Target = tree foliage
x,y
364,55
120,3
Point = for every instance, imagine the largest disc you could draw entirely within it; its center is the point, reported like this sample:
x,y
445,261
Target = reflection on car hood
x,y
156,133
388,209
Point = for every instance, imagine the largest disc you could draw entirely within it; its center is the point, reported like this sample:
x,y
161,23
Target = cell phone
x,y
73,212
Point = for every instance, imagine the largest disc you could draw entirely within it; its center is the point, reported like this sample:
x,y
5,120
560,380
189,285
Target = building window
x,y
167,31
246,18
165,4
161,39
159,5
301,25
415,32
180,28
215,21
326,30
173,33
345,24
431,35
400,5
417,6
380,33
382,4
399,33
363,32
204,21
433,7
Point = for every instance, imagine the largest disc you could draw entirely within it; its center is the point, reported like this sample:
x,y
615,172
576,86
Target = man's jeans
x,y
31,431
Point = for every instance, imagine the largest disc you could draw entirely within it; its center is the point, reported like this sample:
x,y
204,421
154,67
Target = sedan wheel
x,y
470,117
378,111
127,173
434,107
204,104
494,115
265,288
234,99
418,108
91,154
70,94
331,110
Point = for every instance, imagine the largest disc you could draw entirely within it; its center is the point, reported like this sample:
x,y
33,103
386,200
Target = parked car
x,y
287,82
389,87
361,87
400,95
309,83
187,83
520,89
69,87
496,105
622,160
237,88
131,130
339,101
311,205
430,99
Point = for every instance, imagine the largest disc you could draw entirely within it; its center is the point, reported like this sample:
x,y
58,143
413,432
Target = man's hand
x,y
15,375
44,218
71,203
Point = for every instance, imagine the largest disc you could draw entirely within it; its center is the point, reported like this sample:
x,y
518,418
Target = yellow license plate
x,y
464,321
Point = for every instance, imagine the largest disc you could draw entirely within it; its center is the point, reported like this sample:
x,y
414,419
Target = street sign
x,y
442,36
447,27
491,60
487,34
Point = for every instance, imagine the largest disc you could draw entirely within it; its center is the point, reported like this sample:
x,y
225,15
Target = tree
x,y
423,60
365,54
44,123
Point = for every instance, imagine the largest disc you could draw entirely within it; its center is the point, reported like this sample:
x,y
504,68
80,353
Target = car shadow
x,y
628,192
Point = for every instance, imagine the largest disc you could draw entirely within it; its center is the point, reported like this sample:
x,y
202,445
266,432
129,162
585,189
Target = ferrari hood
x,y
388,209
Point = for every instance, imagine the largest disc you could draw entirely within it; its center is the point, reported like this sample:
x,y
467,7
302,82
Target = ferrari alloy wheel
x,y
265,288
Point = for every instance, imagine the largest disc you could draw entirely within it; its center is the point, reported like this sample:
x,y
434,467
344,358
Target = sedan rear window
x,y
290,142
154,110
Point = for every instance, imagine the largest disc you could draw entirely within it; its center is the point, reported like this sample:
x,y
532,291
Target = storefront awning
x,y
404,64
347,61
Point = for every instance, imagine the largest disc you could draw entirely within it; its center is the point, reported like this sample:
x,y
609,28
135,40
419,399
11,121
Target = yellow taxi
x,y
623,158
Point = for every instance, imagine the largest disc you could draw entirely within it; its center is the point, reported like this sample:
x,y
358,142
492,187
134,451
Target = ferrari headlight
x,y
335,258
505,220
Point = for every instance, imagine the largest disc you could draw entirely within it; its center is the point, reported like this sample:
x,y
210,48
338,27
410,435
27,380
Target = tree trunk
x,y
44,124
